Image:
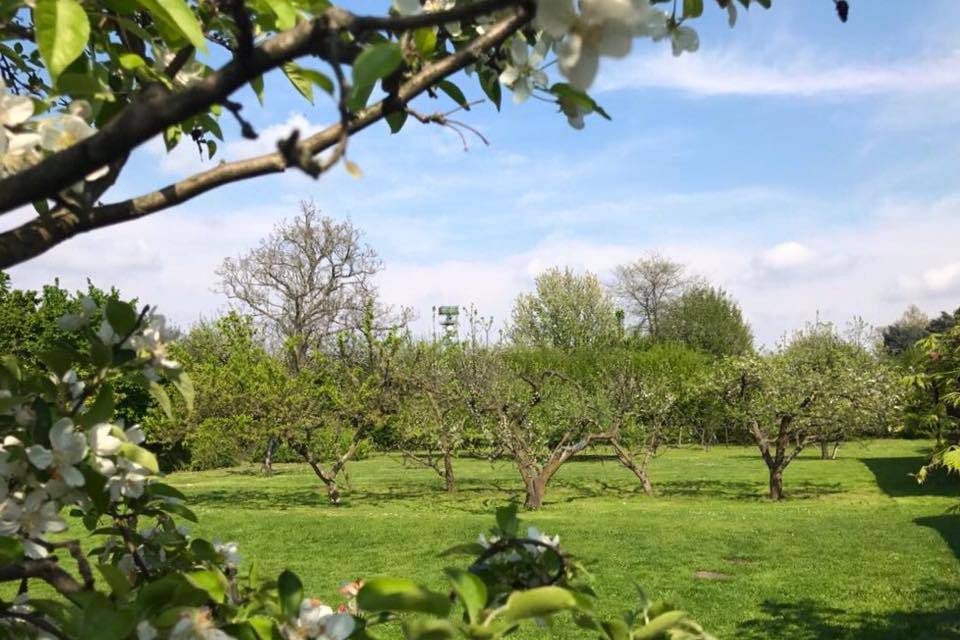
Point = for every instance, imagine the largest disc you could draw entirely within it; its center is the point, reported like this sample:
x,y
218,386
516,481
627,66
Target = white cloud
x,y
935,281
738,72
786,256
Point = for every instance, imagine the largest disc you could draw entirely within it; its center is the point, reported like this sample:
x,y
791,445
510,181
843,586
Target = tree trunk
x,y
776,483
536,491
448,471
267,466
836,449
639,470
825,449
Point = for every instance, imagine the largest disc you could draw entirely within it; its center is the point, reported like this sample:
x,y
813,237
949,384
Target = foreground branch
x,y
156,108
41,233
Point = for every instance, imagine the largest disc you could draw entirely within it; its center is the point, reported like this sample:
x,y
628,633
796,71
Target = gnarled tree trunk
x,y
775,453
448,478
639,470
329,477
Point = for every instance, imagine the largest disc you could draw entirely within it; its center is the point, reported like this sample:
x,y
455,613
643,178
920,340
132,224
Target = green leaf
x,y
286,14
241,631
257,85
396,120
376,62
58,358
161,490
490,83
290,590
62,31
425,40
507,520
211,581
265,627
163,399
467,549
656,627
692,8
121,317
401,594
100,410
131,61
116,578
322,80
471,590
300,82
11,550
184,385
140,456
359,97
616,629
538,603
454,92
178,14
100,354
179,509
429,629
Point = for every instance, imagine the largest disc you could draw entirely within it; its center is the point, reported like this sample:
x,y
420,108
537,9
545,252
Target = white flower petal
x,y
39,456
555,16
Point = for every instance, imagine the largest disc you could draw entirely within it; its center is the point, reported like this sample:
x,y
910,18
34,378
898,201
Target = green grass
x,y
857,551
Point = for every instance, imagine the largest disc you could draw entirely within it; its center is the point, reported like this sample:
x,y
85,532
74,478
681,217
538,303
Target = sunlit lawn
x,y
858,551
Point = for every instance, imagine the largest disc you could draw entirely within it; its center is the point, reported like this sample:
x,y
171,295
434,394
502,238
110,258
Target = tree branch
x,y
40,234
156,108
47,570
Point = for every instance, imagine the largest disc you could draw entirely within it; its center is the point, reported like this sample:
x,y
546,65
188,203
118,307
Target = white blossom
x,y
230,552
683,38
73,383
523,74
103,441
68,448
146,631
129,481
65,130
317,621
197,625
14,110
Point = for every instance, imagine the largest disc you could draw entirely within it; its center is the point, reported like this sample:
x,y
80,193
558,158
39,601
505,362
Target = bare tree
x,y
647,286
306,281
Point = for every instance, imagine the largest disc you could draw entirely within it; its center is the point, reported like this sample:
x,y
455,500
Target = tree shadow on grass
x,y
284,498
563,490
948,526
808,620
893,476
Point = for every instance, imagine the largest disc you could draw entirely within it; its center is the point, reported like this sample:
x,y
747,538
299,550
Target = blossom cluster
x,y
24,141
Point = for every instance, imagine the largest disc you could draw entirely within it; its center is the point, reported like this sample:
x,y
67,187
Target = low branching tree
x,y
649,398
435,412
347,396
536,413
816,388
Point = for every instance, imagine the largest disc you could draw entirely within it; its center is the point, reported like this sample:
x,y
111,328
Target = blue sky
x,y
804,165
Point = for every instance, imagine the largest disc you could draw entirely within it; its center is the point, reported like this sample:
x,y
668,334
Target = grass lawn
x,y
857,551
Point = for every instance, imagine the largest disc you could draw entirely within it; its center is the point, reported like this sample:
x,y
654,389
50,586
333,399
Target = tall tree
x,y
904,333
647,286
568,311
709,320
311,278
